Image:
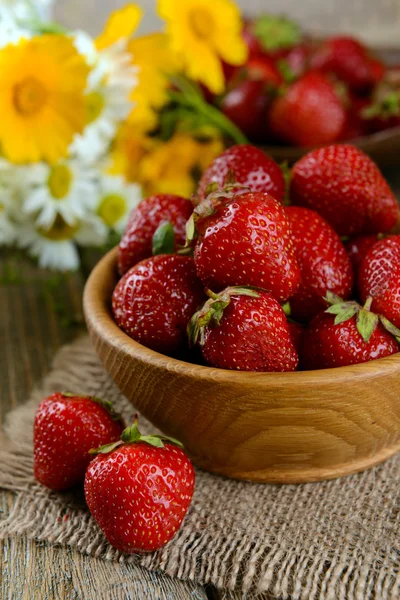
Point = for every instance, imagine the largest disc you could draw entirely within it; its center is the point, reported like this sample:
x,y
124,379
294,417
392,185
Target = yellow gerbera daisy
x,y
153,57
121,24
42,81
203,31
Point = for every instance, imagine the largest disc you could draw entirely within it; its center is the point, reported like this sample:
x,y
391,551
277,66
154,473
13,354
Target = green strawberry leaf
x,y
345,314
107,448
390,327
163,241
276,32
366,323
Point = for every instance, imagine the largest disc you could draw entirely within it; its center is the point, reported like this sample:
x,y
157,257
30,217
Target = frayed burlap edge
x,y
201,551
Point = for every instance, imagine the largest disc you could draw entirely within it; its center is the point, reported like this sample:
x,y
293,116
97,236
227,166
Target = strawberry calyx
x,y
104,403
276,32
132,435
211,313
366,320
163,241
386,107
215,198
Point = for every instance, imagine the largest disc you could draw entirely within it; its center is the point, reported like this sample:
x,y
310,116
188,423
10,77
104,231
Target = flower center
x,y
202,22
112,208
29,96
59,181
94,106
59,231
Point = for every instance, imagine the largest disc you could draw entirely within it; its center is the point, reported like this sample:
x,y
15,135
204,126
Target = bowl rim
x,y
98,316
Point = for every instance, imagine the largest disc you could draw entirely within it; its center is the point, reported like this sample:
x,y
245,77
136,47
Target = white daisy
x,y
10,30
8,229
55,248
117,198
67,189
110,84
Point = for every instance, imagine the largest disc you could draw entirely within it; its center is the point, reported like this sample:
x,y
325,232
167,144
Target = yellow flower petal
x,y
203,32
42,82
121,24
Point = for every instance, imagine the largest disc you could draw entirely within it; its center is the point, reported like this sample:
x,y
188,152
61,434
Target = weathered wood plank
x,y
35,320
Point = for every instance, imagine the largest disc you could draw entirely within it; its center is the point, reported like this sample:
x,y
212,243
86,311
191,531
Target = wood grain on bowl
x,y
267,427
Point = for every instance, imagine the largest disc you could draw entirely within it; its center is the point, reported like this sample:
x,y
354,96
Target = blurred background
x,y
376,22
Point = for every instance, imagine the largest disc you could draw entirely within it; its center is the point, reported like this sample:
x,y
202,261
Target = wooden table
x,y
39,313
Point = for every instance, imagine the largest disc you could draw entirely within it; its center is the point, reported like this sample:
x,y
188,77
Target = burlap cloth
x,y
332,540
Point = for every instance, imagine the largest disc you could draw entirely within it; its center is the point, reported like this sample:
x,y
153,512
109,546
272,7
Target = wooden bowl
x,y
265,427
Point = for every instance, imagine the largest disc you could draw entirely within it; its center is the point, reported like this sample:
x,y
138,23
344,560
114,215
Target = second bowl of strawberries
x,y
266,271
298,91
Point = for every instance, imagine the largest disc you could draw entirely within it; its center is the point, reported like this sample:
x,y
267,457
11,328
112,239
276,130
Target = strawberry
x,y
250,167
383,111
245,240
346,334
136,243
379,277
357,247
346,187
296,332
263,68
309,113
139,489
323,261
235,105
66,427
244,329
155,299
349,60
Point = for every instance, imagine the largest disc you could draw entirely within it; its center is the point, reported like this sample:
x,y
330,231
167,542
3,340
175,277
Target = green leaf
x,y
286,71
131,434
152,440
276,32
345,314
366,323
253,292
172,440
190,229
332,298
106,448
390,327
337,309
163,241
286,308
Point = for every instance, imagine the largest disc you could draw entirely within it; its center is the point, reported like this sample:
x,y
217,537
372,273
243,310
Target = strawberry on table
x,y
379,278
323,261
244,329
155,299
235,105
250,167
66,427
309,113
136,243
346,334
245,240
139,490
346,187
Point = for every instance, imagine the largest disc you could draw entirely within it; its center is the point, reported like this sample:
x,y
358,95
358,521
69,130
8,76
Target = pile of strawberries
x,y
297,91
239,279
137,487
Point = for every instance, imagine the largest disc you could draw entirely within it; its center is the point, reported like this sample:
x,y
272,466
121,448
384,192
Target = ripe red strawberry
x,y
346,334
251,168
346,187
235,105
139,490
66,427
310,112
136,243
323,261
245,240
297,333
349,60
155,299
244,329
358,247
379,277
263,68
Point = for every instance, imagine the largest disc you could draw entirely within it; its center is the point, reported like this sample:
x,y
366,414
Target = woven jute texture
x,y
332,540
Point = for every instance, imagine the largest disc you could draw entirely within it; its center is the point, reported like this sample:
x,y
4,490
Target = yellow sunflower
x,y
42,84
121,24
155,60
203,32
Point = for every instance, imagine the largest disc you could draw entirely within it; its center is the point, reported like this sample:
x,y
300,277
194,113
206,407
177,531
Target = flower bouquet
x,y
91,126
